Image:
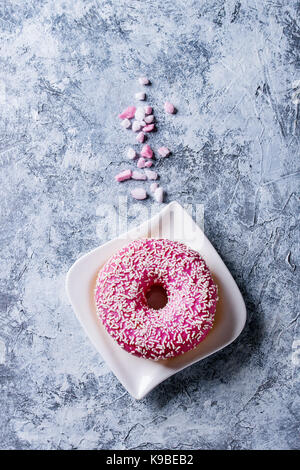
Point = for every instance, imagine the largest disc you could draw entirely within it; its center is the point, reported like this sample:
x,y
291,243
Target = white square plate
x,y
139,376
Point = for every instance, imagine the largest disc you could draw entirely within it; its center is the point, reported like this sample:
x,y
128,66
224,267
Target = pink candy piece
x,y
143,81
159,195
128,113
151,175
141,162
139,193
148,128
124,175
164,151
153,187
149,119
137,175
148,109
147,151
140,137
169,108
148,163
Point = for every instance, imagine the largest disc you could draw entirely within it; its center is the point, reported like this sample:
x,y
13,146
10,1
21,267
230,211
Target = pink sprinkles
x,y
122,307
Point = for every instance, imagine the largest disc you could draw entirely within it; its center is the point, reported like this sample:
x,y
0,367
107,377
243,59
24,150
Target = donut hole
x,y
157,297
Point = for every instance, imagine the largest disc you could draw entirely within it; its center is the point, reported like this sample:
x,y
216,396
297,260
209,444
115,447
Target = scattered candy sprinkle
x,y
126,123
164,151
140,114
149,119
140,137
131,153
151,175
143,81
124,175
140,96
148,128
139,193
128,113
159,195
137,175
153,187
169,108
141,162
148,163
147,151
136,126
148,109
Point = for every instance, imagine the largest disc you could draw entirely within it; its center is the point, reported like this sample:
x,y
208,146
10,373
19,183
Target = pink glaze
x,y
124,175
122,305
147,151
128,113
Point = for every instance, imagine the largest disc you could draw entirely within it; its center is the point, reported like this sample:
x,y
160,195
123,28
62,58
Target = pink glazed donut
x,y
122,296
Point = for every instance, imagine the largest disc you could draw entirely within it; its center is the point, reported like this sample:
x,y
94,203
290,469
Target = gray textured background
x,y
66,70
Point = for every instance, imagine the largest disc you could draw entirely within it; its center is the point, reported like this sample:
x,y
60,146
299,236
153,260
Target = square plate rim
x,y
130,235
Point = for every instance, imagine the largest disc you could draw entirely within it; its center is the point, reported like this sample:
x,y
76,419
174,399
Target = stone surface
x,y
68,68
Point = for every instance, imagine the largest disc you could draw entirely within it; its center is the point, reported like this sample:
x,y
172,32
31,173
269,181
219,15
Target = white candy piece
x,y
131,153
143,81
126,123
136,126
140,114
139,193
140,137
151,175
149,119
153,187
140,96
137,175
159,195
